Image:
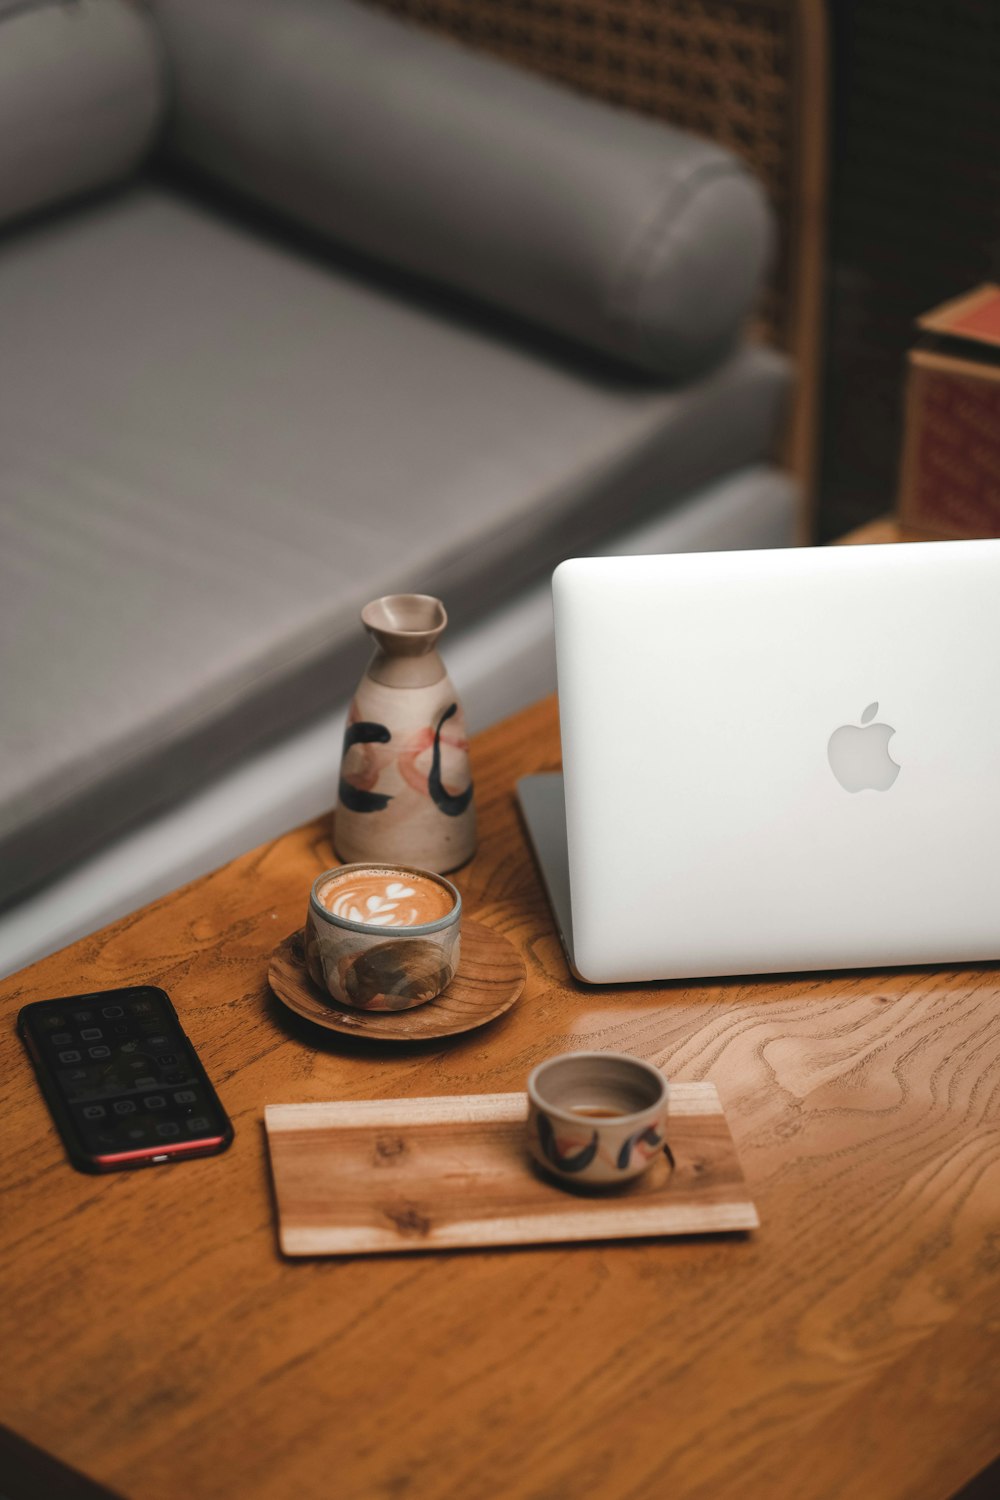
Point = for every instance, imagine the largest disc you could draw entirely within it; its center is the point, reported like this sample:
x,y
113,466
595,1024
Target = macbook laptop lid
x,y
776,760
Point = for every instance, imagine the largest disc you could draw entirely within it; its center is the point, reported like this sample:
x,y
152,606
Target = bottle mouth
x,y
406,615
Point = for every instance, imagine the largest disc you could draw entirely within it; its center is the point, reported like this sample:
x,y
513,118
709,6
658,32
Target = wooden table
x,y
154,1341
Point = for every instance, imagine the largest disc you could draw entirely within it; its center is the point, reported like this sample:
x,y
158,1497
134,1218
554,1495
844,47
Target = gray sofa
x,y
300,305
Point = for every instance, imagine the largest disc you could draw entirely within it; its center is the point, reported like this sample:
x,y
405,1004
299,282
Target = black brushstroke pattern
x,y
364,732
547,1137
451,806
648,1136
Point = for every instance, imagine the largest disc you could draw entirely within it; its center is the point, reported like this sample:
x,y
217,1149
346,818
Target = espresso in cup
x,y
382,937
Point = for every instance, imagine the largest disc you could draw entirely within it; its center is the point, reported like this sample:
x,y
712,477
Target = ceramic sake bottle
x,y
405,791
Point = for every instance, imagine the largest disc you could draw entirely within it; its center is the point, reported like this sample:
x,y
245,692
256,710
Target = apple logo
x,y
859,757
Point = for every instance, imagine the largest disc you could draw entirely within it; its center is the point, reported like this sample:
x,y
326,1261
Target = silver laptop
x,y
775,761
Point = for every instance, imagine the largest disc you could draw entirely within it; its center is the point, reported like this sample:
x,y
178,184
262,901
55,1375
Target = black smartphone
x,y
123,1082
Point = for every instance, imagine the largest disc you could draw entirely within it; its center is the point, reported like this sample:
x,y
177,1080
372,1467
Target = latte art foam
x,y
385,898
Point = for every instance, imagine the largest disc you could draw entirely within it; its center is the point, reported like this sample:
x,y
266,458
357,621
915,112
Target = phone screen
x,y
123,1082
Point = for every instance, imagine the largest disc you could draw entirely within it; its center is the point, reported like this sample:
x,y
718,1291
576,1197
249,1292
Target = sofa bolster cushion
x,y
81,95
620,232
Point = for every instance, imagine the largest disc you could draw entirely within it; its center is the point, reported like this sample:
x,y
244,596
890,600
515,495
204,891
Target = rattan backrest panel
x,y
724,68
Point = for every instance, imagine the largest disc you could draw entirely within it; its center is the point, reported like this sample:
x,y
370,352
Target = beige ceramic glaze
x,y
405,791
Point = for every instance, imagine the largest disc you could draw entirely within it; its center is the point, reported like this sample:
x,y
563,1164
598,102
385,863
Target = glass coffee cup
x,y
383,937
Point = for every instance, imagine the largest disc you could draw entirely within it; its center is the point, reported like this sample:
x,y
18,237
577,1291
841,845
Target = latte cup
x,y
382,936
596,1118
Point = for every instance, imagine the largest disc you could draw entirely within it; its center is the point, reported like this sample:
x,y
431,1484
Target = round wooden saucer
x,y
490,978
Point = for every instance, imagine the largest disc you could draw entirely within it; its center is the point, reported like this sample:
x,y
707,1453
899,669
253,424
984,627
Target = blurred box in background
x,y
950,481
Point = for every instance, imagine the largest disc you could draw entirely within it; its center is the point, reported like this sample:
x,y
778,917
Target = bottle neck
x,y
406,671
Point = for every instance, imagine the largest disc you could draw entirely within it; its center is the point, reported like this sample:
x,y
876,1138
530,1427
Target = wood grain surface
x,y
155,1340
444,1172
489,980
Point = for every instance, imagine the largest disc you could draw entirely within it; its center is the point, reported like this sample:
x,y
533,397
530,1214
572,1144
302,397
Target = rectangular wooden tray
x,y
432,1174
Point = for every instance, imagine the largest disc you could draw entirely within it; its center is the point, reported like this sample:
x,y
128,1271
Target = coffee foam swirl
x,y
385,899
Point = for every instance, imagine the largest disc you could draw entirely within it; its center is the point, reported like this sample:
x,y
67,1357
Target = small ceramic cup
x,y
355,951
596,1118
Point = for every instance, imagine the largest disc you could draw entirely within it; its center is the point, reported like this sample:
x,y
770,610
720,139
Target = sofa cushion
x,y
81,96
640,240
216,449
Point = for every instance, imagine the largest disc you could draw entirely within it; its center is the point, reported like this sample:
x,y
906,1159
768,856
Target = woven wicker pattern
x,y
723,68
